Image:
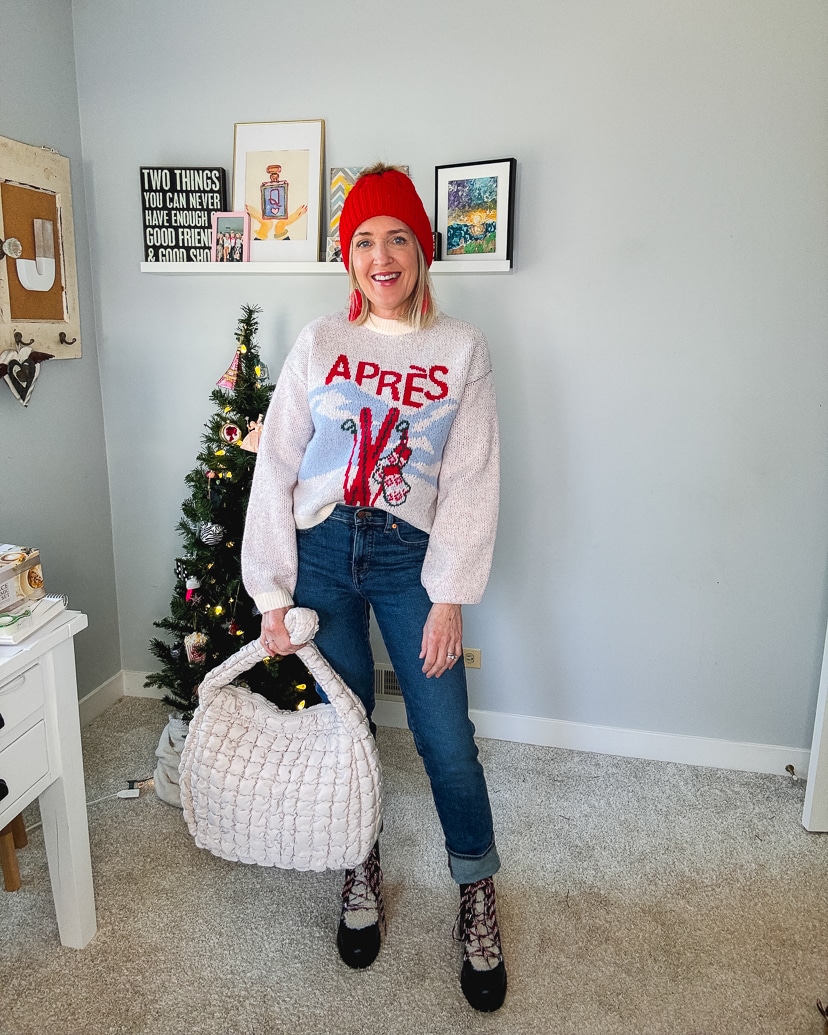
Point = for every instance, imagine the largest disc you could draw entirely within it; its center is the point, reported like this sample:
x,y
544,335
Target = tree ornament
x,y
211,533
180,569
192,585
195,643
231,433
250,442
175,651
230,376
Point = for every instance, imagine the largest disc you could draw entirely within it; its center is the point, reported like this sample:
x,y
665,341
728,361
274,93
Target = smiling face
x,y
385,263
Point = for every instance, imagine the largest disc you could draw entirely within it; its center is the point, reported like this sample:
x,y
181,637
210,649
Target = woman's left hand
x,y
442,645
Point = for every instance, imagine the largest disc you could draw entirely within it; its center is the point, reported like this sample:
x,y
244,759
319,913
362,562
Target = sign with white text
x,y
178,206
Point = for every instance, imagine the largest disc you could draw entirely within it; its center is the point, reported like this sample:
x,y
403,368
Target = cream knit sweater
x,y
373,417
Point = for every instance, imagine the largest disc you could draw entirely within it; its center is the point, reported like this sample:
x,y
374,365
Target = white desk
x,y
40,757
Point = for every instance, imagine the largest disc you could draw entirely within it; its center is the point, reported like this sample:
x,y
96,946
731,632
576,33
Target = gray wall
x,y
53,471
659,349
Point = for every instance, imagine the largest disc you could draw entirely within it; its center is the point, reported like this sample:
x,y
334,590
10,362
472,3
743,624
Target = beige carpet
x,y
635,897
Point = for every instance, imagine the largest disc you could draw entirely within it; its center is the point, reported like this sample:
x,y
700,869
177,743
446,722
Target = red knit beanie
x,y
388,193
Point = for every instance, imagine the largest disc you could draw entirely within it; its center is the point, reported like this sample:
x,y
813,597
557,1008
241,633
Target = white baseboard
x,y
529,729
97,701
610,740
122,684
134,686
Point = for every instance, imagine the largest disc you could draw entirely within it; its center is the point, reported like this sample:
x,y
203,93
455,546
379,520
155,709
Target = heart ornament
x,y
20,371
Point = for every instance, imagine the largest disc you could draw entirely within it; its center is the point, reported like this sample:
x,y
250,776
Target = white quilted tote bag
x,y
300,790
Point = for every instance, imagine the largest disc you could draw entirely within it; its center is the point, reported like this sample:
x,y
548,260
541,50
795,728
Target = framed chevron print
x,y
277,180
342,179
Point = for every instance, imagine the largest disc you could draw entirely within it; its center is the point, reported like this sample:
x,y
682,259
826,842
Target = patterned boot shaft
x,y
362,899
483,975
477,926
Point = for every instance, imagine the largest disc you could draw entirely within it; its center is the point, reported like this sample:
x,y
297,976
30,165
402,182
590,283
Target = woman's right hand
x,y
275,638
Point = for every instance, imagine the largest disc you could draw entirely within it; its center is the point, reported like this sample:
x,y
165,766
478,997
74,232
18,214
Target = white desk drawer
x,y
20,697
22,764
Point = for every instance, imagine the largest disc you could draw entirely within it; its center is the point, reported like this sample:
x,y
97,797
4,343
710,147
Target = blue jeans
x,y
360,557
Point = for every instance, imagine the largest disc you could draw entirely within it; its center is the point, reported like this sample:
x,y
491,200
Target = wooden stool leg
x,y
8,859
18,829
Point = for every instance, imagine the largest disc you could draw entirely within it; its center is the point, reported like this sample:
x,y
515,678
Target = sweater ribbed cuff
x,y
272,601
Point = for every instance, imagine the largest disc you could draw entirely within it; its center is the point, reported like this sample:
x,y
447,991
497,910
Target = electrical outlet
x,y
471,657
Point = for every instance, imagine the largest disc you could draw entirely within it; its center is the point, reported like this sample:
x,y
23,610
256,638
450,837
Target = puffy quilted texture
x,y
299,790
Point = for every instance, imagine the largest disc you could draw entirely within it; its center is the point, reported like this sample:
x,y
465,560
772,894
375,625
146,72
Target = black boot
x,y
483,977
363,913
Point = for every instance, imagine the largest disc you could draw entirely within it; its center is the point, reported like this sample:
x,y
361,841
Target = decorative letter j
x,y
38,274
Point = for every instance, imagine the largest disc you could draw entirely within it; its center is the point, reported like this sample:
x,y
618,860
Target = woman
x,y
376,485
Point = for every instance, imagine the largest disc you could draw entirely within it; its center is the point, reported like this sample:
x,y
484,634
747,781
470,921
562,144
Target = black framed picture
x,y
475,206
178,205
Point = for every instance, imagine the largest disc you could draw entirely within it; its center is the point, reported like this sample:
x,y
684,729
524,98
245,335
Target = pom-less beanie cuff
x,y
388,193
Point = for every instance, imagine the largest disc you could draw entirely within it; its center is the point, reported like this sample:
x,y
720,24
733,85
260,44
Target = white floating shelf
x,y
335,268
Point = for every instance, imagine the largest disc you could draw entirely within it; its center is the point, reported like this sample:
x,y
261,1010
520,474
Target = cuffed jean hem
x,y
466,869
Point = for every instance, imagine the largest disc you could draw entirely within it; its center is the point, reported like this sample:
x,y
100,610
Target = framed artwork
x,y
39,313
342,179
231,237
277,181
475,203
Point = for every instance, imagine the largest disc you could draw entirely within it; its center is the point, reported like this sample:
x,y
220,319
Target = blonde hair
x,y
421,311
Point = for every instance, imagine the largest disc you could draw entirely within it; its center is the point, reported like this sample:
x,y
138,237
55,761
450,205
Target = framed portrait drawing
x,y
38,276
475,206
277,181
231,237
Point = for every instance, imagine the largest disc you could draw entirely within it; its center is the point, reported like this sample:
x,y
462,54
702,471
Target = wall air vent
x,y
385,681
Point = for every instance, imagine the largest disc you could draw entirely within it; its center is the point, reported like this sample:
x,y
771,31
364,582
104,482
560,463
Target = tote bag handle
x,y
302,624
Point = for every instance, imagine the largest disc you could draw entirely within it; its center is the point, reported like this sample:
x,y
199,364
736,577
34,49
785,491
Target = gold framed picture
x,y
277,180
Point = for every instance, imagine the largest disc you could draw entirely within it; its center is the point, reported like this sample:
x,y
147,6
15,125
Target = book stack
x,y
20,622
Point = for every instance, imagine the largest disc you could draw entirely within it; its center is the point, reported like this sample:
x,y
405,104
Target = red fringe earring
x,y
426,300
355,307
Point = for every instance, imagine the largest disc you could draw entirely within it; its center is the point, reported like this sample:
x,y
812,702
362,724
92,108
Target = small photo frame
x,y
231,237
475,204
277,181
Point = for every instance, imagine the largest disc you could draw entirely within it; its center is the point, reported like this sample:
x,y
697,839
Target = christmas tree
x,y
211,616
